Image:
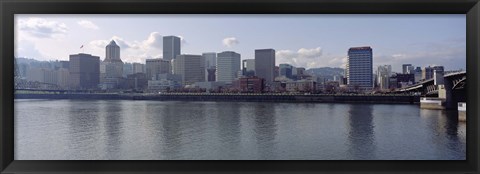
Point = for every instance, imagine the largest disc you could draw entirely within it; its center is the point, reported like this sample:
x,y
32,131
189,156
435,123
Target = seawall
x,y
404,99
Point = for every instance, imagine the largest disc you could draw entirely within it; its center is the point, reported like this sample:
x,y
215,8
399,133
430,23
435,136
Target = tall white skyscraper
x,y
191,68
171,47
359,67
265,64
228,65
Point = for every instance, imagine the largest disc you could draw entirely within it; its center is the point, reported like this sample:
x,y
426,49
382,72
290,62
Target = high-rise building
x,y
286,70
84,71
111,68
171,47
228,64
265,65
211,74
248,67
138,68
418,74
191,68
210,60
383,76
127,69
427,72
359,67
408,69
157,66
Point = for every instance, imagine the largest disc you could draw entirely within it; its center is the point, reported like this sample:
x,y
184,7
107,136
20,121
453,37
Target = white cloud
x,y
133,51
230,41
154,40
88,24
304,57
42,28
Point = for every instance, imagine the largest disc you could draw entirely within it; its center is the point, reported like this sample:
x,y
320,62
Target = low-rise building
x,y
250,84
301,86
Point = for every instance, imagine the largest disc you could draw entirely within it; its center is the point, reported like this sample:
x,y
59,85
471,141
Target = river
x,y
174,130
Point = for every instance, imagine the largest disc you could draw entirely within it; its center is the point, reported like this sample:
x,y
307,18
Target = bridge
x,y
450,87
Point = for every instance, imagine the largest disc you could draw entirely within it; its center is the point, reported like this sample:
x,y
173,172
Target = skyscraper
x,y
383,76
286,70
265,64
427,72
359,67
210,60
191,68
157,66
418,74
84,71
408,69
138,68
111,69
248,67
171,47
228,64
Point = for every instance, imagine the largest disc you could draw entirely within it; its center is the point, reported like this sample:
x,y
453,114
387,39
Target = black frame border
x,y
10,7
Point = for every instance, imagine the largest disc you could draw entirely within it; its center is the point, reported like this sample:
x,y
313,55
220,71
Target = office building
x,y
171,47
408,69
359,67
191,68
265,65
248,67
84,71
404,80
249,84
138,68
228,64
286,70
427,72
417,74
165,82
211,74
210,60
137,81
111,68
154,67
383,76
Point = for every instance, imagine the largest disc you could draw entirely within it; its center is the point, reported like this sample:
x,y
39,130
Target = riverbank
x,y
316,98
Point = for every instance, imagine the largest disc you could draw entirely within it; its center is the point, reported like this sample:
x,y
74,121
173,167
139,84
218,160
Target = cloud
x,y
42,28
27,49
304,57
154,40
230,41
133,51
88,24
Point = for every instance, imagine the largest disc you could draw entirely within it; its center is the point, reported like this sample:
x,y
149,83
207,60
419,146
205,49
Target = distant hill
x,y
326,71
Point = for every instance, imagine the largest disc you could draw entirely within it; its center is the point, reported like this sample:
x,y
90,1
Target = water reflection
x,y
113,122
229,128
445,132
83,121
143,130
171,116
361,134
265,130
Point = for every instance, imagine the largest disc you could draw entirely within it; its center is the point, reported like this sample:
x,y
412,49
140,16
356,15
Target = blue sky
x,y
302,40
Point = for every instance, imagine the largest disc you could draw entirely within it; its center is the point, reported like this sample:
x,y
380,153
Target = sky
x,y
310,41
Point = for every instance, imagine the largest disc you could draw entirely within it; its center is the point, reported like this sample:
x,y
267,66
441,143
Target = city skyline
x,y
306,41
